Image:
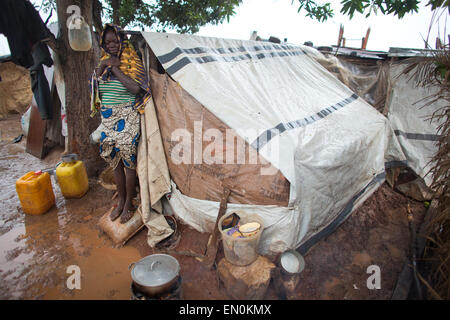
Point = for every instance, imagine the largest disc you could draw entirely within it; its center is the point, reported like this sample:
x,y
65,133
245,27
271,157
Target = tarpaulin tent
x,y
311,150
381,80
410,118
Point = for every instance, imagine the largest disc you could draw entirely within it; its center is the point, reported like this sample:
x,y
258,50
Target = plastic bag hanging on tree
x,y
80,38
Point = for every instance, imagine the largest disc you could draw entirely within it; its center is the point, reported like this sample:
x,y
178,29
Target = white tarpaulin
x,y
329,144
408,117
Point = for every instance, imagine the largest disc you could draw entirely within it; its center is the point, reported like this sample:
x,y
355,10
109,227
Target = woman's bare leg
x,y
127,212
119,177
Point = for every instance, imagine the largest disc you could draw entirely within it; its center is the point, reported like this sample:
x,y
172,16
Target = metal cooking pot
x,y
155,274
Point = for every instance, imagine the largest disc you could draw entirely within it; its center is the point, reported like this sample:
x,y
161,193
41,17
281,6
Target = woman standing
x,y
119,90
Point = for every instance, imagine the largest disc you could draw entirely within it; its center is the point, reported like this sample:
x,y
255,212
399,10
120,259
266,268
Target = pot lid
x,y
155,270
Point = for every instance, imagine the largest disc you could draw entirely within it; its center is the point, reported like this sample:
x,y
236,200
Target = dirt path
x,y
35,251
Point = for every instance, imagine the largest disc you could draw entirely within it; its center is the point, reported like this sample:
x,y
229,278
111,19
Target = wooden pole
x,y
213,243
365,39
341,34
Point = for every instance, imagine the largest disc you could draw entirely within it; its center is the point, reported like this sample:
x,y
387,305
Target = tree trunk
x,y
97,16
115,6
77,67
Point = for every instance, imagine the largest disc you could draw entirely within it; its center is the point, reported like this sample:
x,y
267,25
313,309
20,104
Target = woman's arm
x,y
114,62
129,83
100,68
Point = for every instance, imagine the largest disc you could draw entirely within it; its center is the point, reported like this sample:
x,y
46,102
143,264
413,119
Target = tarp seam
x,y
396,164
417,136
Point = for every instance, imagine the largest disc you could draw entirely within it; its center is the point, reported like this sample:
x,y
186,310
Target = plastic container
x,y
241,251
72,177
80,38
35,192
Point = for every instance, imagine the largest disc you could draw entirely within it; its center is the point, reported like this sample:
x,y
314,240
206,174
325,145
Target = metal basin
x,y
292,262
155,274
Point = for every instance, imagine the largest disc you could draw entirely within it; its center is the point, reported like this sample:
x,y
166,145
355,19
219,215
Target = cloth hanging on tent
x,y
23,27
39,83
154,178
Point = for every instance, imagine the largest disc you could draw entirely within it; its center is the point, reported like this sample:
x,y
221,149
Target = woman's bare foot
x,y
127,213
118,209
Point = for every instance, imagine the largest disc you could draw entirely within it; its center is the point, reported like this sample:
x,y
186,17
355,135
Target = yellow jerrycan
x,y
72,177
35,192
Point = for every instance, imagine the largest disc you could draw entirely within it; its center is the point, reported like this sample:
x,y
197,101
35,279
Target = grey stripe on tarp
x,y
303,249
266,136
417,136
178,65
165,58
205,59
395,164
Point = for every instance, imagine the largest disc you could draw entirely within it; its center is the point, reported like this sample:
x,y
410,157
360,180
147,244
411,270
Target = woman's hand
x,y
113,61
110,62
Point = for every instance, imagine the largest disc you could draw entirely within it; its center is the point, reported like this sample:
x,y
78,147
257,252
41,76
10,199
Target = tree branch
x,y
97,16
115,4
51,42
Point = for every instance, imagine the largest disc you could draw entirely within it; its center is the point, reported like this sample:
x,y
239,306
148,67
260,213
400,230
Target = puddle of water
x,y
104,270
35,251
12,247
35,254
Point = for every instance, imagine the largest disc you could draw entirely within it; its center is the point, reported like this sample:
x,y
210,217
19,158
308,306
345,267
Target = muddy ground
x,y
35,251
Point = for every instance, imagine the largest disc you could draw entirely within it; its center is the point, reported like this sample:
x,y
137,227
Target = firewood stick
x,y
213,243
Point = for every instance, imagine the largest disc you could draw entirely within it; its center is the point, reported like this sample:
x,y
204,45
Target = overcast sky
x,y
279,18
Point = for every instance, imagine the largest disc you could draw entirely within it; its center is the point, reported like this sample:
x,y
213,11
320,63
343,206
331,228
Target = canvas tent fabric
x,y
409,117
330,145
383,84
396,95
366,77
179,110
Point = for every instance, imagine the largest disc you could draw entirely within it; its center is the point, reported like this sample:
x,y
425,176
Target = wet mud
x,y
376,234
36,251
